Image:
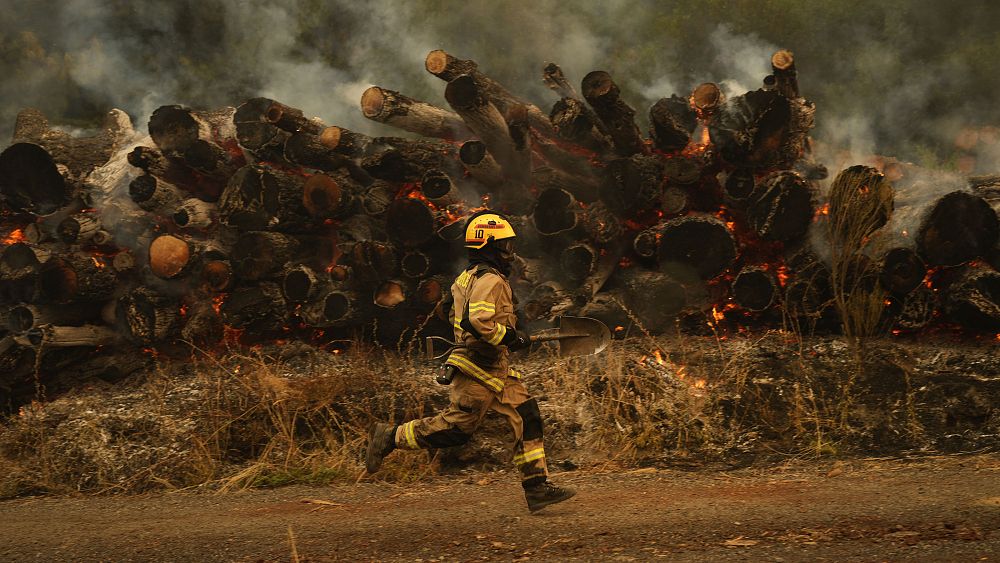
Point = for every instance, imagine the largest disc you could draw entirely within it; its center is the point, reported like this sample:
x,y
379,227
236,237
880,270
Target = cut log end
x,y
372,102
782,60
168,256
707,96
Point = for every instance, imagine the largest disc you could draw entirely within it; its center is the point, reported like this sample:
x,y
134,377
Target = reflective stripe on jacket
x,y
482,315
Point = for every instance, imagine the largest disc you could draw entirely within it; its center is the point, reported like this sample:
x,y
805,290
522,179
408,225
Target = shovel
x,y
575,336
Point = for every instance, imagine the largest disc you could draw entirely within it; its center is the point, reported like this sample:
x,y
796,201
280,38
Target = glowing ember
x,y
783,275
719,316
659,357
15,236
621,328
97,262
217,303
184,310
681,372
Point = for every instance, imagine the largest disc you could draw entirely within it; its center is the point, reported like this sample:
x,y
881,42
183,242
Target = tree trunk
x,y
291,119
396,159
481,164
154,195
755,289
785,76
902,271
780,207
78,228
632,185
696,243
258,310
959,228
392,108
76,277
260,197
148,317
50,336
330,197
195,213
672,123
602,94
335,307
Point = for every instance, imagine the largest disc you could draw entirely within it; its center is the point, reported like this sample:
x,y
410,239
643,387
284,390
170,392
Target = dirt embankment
x,y
932,509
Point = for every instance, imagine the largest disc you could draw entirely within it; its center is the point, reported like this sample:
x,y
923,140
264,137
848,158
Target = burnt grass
x,y
276,415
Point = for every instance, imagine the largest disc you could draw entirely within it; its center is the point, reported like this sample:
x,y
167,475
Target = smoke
x,y
904,78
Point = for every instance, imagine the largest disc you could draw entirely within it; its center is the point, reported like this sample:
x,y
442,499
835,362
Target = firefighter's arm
x,y
489,294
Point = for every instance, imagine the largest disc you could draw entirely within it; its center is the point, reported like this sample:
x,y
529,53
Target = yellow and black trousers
x,y
469,403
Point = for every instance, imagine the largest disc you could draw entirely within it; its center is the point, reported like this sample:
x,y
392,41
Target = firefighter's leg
x,y
521,410
469,403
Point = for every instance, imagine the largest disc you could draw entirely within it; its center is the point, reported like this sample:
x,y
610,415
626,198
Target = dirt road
x,y
938,509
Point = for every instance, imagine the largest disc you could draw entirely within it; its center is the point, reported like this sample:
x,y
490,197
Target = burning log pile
x,y
261,223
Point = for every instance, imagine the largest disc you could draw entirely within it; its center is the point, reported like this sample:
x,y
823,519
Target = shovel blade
x,y
593,336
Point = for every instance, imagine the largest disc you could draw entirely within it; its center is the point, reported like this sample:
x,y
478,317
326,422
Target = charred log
x,y
329,197
371,260
291,119
154,195
260,197
259,254
195,137
24,317
148,317
578,261
556,212
76,277
600,224
683,170
411,221
30,180
780,207
202,324
301,284
259,310
739,185
307,149
902,271
345,142
376,198
916,310
20,264
50,336
437,186
632,185
584,188
217,275
255,134
405,160
674,201
391,293
78,228
577,123
653,297
957,229
973,300
673,122
415,264
555,80
335,307
762,130
697,243
755,289
603,95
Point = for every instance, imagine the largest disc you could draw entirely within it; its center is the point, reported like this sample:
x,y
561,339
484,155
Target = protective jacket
x,y
482,315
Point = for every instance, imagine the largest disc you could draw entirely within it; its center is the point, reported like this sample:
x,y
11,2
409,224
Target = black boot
x,y
541,495
381,441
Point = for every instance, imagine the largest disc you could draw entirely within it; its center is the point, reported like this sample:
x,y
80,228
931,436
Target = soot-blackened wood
x,y
608,307
481,164
300,283
437,186
707,98
261,197
259,310
915,310
553,77
781,207
32,182
76,277
195,213
654,298
674,201
431,290
371,260
154,195
202,324
147,317
601,225
683,170
392,108
196,137
307,149
577,123
632,185
346,142
152,162
698,243
80,154
762,130
547,300
578,261
739,185
605,266
416,264
785,76
584,188
291,119
256,134
603,95
375,199
556,213
902,271
330,196
447,68
672,122
20,264
395,159
808,294
217,275
755,289
79,228
647,241
335,307
959,228
259,254
411,221
973,299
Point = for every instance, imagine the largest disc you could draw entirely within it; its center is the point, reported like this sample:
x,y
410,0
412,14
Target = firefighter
x,y
481,309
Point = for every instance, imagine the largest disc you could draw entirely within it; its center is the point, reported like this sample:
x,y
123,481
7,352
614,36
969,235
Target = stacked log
x,y
269,222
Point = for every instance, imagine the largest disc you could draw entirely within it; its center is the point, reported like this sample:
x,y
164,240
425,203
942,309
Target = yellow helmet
x,y
484,226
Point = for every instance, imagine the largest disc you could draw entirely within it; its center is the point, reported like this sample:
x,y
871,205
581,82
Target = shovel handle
x,y
548,337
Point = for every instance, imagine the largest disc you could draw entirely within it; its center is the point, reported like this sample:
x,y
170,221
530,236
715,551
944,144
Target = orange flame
x,y
783,275
15,236
97,262
217,303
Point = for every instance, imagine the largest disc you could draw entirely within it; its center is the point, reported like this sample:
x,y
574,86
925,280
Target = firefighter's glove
x,y
445,374
521,339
